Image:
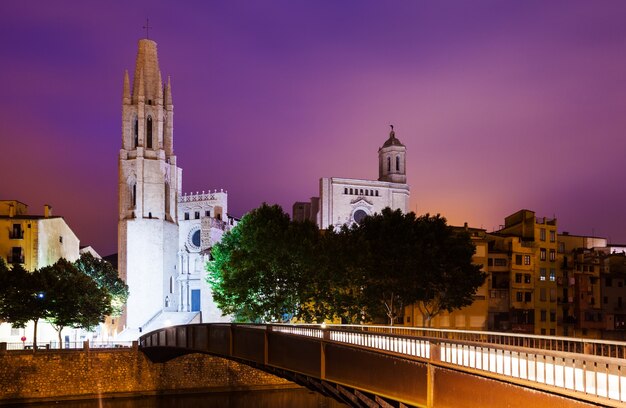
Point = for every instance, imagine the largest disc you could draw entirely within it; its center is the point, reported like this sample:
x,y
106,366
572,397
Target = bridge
x,y
383,366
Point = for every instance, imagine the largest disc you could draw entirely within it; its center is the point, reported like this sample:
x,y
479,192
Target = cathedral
x,y
164,236
347,201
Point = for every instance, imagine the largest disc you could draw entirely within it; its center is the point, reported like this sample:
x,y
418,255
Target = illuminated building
x,y
160,256
35,241
345,201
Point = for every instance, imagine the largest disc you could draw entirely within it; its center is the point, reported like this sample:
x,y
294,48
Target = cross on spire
x,y
147,28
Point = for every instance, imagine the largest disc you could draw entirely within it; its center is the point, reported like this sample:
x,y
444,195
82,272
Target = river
x,y
285,398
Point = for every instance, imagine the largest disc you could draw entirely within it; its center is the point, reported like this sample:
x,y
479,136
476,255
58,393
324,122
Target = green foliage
x,y
106,277
75,300
22,296
60,293
271,269
259,270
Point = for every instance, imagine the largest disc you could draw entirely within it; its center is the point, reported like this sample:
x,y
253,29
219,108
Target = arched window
x,y
397,163
133,193
135,132
149,132
388,163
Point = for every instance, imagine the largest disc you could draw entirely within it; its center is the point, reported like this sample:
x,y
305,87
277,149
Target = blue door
x,y
195,300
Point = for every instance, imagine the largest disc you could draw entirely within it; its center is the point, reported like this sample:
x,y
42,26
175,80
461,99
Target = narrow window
x,y
207,213
197,215
345,190
388,163
136,132
61,239
186,216
134,195
351,192
397,163
149,133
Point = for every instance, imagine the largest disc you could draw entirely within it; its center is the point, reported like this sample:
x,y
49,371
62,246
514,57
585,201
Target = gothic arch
x,y
149,132
135,131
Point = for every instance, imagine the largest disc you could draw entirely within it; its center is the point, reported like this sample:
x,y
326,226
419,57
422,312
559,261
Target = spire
x,y
126,92
168,92
392,141
160,90
140,88
148,62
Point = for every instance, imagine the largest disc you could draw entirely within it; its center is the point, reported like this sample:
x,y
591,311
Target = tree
x,y
75,299
22,297
260,269
387,271
450,279
106,277
406,260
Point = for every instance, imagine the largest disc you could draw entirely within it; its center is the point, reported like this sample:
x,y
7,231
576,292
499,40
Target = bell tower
x,y
392,160
148,187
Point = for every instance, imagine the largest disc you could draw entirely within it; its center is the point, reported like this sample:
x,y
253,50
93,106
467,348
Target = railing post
x,y
230,339
266,344
325,338
435,355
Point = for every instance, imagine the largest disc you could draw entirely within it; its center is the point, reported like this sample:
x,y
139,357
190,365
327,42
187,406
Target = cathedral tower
x,y
392,160
148,190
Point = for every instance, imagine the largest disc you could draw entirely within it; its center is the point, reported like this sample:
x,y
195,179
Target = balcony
x,y
15,259
16,234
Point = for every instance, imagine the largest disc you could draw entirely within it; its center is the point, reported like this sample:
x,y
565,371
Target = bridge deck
x,y
379,365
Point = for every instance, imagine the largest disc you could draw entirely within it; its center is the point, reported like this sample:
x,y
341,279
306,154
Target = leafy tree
x,y
450,279
75,299
260,269
22,297
407,260
106,277
387,270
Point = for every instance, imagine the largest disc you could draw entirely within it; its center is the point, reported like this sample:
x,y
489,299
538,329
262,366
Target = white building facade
x,y
346,201
161,253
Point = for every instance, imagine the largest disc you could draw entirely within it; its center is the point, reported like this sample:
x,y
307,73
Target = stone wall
x,y
76,374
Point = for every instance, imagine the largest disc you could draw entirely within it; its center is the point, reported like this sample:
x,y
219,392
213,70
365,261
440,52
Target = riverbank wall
x,y
27,376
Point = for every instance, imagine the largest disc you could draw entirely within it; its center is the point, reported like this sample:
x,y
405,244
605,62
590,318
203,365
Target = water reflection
x,y
300,398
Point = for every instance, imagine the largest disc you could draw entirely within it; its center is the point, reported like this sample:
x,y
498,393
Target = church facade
x,y
154,248
347,201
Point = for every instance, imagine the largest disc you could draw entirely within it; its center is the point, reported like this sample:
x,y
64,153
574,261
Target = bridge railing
x,y
603,348
591,367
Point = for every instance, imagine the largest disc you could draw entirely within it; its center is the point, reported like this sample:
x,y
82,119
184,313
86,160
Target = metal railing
x,y
590,367
72,345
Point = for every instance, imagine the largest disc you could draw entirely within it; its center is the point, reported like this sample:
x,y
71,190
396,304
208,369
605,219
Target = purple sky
x,y
502,105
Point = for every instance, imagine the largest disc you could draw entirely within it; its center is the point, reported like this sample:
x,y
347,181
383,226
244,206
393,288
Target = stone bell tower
x,y
148,189
392,160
